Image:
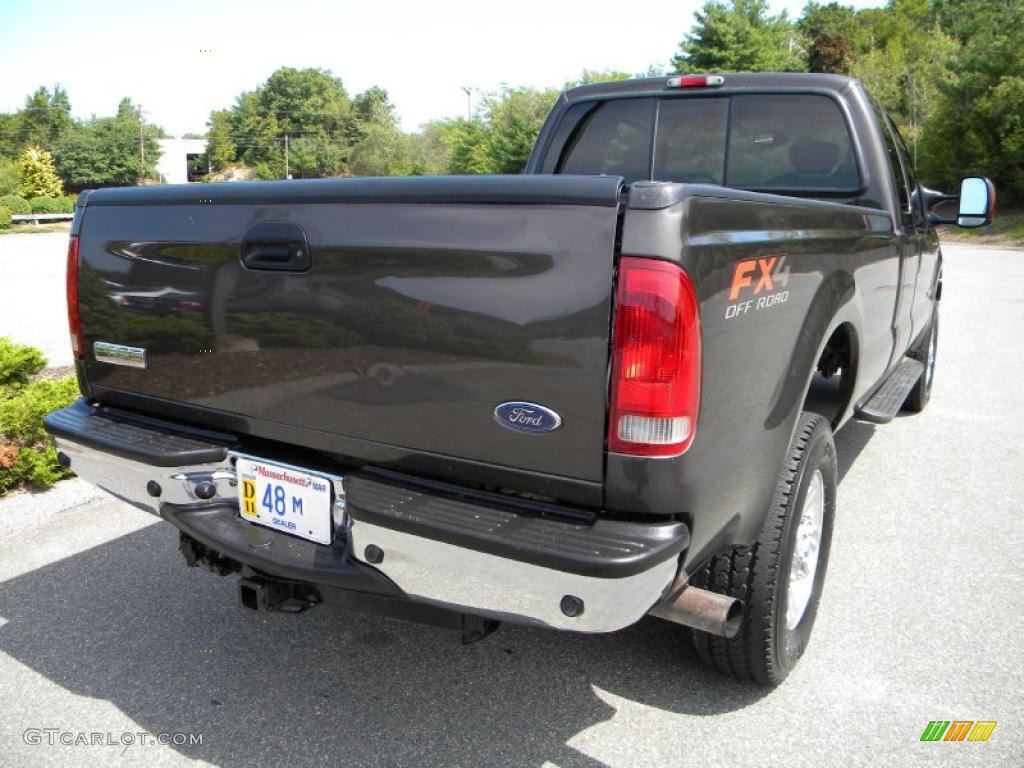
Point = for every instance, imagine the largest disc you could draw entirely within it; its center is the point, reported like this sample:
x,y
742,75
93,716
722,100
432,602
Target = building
x,y
179,160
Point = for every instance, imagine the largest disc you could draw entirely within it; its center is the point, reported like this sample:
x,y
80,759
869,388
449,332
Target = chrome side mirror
x,y
974,207
977,202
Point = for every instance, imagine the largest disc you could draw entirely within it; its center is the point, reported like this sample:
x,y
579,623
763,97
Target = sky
x,y
181,59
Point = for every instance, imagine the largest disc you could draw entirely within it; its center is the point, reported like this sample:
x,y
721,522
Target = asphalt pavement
x,y
33,308
104,630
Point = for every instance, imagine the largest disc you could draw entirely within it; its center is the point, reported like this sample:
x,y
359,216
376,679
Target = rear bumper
x,y
440,547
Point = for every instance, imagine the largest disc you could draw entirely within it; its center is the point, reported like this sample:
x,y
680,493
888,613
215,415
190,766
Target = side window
x,y
797,142
899,176
614,139
566,128
690,143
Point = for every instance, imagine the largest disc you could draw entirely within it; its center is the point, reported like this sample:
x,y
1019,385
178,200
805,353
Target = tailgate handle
x,y
276,245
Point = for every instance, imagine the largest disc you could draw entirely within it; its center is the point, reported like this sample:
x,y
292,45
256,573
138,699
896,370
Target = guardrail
x,y
39,218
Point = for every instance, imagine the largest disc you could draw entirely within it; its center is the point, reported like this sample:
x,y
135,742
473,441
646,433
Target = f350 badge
x,y
527,417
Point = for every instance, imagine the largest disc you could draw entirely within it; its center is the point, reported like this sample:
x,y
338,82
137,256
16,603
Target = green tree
x,y
304,101
378,148
833,36
9,141
740,36
382,151
978,122
60,121
428,150
105,151
514,117
905,61
468,146
257,135
221,149
38,177
9,176
371,107
308,106
34,119
590,76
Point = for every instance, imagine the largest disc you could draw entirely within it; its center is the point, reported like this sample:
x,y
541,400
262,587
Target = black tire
x,y
925,352
765,649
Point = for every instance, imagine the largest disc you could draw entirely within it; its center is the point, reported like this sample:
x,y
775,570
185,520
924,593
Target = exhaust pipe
x,y
707,611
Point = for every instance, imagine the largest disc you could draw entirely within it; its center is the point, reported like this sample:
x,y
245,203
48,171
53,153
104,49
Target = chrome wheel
x,y
805,551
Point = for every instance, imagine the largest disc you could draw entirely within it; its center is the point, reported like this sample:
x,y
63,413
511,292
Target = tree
x,y
44,120
514,117
468,146
304,101
833,35
740,36
308,106
905,60
428,150
105,151
34,119
302,158
978,122
378,147
371,107
221,149
60,120
38,176
589,76
257,135
9,142
381,152
9,176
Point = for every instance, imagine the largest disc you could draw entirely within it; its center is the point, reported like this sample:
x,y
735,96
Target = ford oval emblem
x,y
527,417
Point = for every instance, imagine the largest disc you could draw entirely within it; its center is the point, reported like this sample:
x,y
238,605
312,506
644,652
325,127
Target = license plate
x,y
286,499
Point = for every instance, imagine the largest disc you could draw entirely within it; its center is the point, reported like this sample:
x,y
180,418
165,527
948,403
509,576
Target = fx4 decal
x,y
763,280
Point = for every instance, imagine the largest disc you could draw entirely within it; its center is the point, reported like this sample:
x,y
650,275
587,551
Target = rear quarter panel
x,y
826,265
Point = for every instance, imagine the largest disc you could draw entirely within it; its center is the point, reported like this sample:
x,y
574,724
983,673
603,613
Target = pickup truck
x,y
603,389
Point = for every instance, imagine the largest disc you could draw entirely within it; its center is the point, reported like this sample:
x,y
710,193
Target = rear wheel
x,y
779,578
925,352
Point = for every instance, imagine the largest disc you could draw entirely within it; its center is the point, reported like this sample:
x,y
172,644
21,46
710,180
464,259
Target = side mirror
x,y
977,202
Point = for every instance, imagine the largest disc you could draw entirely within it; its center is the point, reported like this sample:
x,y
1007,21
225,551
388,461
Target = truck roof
x,y
751,80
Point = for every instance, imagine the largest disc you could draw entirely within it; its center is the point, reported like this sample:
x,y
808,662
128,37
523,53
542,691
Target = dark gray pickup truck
x,y
603,389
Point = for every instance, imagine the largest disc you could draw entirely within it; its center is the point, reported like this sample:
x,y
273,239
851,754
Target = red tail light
x,y
655,387
74,324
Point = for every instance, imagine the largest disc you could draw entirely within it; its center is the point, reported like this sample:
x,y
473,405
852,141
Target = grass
x,y
1006,229
58,226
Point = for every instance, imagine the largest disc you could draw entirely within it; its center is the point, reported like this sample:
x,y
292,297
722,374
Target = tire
x,y
925,352
766,648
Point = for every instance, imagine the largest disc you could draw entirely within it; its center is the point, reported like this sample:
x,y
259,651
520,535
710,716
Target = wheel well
x,y
832,381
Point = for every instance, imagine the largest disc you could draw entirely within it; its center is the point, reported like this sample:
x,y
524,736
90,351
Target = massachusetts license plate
x,y
285,499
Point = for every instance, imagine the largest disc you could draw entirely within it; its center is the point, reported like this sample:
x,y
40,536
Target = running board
x,y
887,401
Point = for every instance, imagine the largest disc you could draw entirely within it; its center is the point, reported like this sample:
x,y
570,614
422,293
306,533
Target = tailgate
x,y
426,303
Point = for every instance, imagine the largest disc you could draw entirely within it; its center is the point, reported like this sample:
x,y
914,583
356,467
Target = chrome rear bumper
x,y
424,569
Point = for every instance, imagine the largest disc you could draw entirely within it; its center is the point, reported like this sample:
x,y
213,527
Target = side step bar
x,y
888,399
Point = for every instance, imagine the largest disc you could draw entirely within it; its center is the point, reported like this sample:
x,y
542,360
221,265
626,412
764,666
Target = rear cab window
x,y
796,144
